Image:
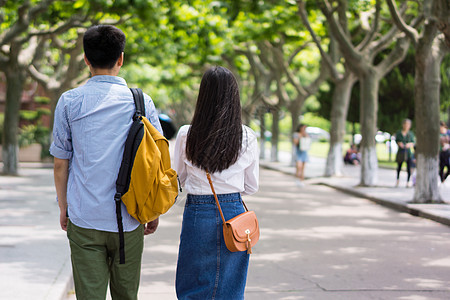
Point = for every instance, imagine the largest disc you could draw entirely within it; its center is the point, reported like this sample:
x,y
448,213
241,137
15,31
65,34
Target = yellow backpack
x,y
146,183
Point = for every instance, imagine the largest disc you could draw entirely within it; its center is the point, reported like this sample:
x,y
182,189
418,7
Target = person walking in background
x,y
90,129
217,142
302,141
444,152
405,140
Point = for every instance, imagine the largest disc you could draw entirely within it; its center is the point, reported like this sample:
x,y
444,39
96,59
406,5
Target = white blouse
x,y
241,177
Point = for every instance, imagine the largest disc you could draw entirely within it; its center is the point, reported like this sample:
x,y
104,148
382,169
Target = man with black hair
x,y
90,129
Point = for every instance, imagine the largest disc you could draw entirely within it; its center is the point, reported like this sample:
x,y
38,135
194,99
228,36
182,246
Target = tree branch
x,y
381,44
36,10
74,61
411,32
74,21
325,57
262,77
376,24
40,51
296,51
41,78
444,20
19,26
314,86
26,13
395,57
347,48
27,54
265,56
3,62
282,95
252,58
283,68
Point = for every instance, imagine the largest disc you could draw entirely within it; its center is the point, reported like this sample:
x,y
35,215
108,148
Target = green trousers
x,y
95,262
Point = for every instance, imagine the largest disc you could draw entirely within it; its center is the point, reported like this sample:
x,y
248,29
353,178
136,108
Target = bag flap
x,y
243,223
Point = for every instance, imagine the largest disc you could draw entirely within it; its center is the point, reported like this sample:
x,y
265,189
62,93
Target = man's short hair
x,y
103,45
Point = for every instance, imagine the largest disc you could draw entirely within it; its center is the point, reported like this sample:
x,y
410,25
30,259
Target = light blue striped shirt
x,y
90,129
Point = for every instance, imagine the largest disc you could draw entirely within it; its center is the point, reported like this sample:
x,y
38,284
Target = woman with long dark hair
x,y
217,142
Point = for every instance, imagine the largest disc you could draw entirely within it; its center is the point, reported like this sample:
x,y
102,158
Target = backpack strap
x,y
138,97
117,198
123,179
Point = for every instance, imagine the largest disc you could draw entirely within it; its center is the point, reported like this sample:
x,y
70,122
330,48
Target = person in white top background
x,y
215,141
302,141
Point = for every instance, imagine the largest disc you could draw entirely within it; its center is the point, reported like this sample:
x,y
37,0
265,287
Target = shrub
x,y
31,134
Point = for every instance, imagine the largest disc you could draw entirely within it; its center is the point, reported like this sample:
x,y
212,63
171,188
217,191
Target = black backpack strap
x,y
138,97
132,143
123,179
117,198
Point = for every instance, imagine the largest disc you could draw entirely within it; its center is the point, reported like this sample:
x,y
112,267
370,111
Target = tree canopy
x,y
279,60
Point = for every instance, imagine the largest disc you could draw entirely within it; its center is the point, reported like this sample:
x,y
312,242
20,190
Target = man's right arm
x,y
61,147
61,174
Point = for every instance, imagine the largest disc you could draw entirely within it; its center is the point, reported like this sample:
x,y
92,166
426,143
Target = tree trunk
x,y
369,82
448,116
427,85
14,87
54,98
53,103
262,136
275,134
246,116
339,109
353,132
295,110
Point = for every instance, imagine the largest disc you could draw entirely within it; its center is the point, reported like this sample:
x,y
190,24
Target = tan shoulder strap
x,y
215,196
217,200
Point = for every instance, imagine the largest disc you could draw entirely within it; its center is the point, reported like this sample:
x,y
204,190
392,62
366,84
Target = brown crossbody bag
x,y
241,233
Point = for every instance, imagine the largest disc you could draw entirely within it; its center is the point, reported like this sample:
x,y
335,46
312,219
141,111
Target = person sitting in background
x,y
352,156
444,152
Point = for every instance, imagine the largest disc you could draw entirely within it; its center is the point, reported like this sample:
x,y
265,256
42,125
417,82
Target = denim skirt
x,y
206,269
302,156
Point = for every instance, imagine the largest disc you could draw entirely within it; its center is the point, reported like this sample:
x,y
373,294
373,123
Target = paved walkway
x,y
318,243
34,253
385,193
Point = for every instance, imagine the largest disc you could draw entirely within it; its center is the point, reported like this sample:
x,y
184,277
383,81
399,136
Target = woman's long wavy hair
x,y
214,139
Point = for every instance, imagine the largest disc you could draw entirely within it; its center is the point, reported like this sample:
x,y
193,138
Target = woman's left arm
x,y
411,140
251,173
179,155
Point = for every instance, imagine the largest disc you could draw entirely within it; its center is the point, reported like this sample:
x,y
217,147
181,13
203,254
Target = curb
x,y
411,209
62,284
267,167
390,204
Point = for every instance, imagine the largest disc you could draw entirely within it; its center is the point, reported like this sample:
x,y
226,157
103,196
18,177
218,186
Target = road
x,y
317,243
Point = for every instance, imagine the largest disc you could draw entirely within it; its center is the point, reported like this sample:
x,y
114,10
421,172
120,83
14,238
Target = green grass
x,y
320,149
383,157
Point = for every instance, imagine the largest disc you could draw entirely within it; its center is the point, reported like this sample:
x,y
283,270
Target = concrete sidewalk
x,y
34,251
385,193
